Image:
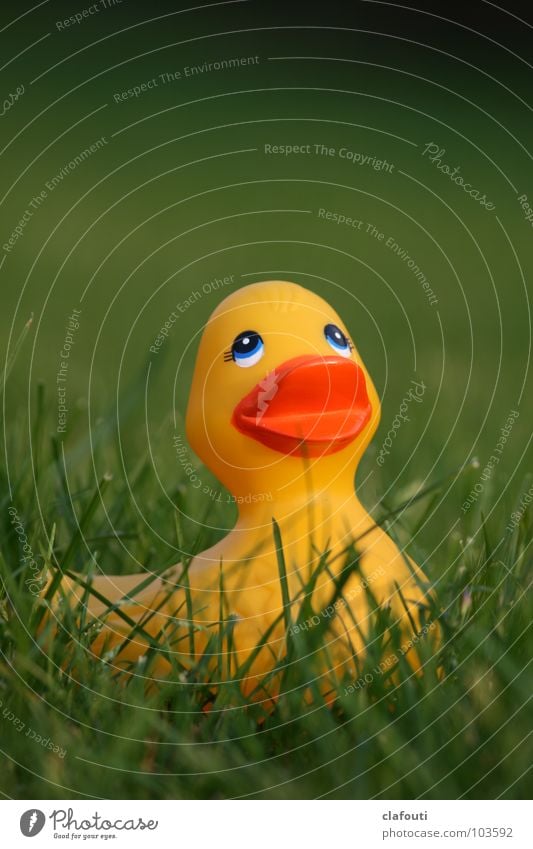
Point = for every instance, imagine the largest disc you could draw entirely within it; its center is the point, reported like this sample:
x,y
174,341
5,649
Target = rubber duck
x,y
281,409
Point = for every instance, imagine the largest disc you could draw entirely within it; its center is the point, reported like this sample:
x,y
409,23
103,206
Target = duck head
x,y
279,388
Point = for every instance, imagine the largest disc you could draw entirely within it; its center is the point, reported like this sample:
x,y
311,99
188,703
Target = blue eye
x,y
337,340
247,348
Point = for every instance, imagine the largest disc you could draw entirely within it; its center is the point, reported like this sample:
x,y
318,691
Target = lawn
x,y
69,728
377,154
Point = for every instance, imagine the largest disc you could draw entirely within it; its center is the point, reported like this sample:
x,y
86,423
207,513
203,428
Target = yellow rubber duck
x,y
281,409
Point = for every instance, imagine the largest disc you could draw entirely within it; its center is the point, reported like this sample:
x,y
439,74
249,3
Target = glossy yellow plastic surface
x,y
310,494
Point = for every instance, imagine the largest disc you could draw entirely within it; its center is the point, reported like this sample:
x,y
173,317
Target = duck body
x,y
281,410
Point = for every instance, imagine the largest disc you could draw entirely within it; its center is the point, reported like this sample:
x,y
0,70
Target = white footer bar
x,y
266,824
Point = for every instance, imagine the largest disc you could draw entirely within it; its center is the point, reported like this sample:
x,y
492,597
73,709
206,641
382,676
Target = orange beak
x,y
308,406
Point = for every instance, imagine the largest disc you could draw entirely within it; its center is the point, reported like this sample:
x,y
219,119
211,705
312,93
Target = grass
x,y
69,729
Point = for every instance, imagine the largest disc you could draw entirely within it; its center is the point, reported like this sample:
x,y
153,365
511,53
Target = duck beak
x,y
308,406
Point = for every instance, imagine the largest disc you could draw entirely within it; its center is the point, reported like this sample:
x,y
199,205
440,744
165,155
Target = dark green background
x,y
185,193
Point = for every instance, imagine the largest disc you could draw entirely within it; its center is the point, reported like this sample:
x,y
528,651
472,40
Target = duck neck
x,y
326,506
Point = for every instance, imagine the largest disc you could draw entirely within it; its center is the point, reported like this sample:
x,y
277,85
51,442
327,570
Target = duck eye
x,y
337,340
247,348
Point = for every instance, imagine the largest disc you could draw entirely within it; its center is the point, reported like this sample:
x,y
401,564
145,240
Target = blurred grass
x,y
401,736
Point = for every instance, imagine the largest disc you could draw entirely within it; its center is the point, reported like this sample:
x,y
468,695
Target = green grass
x,y
165,207
459,730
